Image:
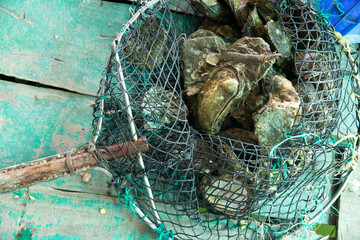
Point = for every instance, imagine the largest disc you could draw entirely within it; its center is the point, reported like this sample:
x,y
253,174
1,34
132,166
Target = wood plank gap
x,y
36,84
81,192
174,8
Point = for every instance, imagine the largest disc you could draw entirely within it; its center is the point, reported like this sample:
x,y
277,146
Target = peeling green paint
x,y
58,236
8,236
52,111
64,31
38,196
130,236
61,130
76,186
117,236
145,236
15,215
59,182
19,193
119,219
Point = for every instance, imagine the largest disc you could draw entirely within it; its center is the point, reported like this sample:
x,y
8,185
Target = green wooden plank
x,y
59,43
39,122
54,214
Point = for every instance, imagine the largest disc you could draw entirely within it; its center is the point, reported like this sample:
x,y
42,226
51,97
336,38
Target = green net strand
x,y
161,231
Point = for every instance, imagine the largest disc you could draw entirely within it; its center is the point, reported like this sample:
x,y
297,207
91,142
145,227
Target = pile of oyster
x,y
237,69
234,75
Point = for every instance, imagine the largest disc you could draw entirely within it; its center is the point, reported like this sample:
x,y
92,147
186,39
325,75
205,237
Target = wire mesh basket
x,y
198,184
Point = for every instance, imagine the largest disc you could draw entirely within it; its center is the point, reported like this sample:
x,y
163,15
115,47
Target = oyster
x,y
151,54
204,158
241,10
319,110
240,135
240,68
310,107
159,109
279,39
225,85
220,29
266,11
255,53
226,194
310,64
254,27
228,33
243,110
214,9
195,53
278,115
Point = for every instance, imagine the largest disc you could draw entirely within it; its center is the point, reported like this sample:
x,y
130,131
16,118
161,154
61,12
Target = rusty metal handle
x,y
45,169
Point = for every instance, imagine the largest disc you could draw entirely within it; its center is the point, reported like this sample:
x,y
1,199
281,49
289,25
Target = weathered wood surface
x,y
59,43
349,208
42,212
38,122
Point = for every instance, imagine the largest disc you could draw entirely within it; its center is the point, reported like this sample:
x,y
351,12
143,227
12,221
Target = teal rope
x,y
305,225
103,116
272,153
163,233
339,6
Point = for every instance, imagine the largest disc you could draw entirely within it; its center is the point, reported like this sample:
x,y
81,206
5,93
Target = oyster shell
x,y
240,135
266,11
194,54
254,27
205,160
159,109
226,194
310,64
243,110
225,85
255,53
240,9
222,30
279,39
278,115
151,54
214,9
